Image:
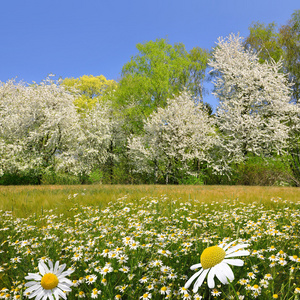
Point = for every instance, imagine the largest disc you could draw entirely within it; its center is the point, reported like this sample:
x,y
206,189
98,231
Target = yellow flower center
x,y
49,281
211,256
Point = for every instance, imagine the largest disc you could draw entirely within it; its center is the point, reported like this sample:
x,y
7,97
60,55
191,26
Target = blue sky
x,y
95,37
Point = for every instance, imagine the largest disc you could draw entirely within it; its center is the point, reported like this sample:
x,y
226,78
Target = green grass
x,y
24,200
169,227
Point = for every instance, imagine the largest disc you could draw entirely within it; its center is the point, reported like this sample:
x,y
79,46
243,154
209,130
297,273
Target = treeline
x,y
152,126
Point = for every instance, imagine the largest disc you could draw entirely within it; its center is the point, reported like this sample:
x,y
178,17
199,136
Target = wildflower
x,y
251,275
268,276
124,269
293,258
183,290
243,281
273,258
106,269
15,259
118,297
143,279
146,296
297,290
215,293
164,252
214,261
81,294
91,279
264,283
275,296
51,280
165,290
186,296
95,293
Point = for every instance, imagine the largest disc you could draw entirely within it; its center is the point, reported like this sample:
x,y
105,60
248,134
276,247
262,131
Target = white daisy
x,y
214,261
49,282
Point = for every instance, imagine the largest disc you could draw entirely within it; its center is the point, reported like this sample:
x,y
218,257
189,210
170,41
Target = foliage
x,y
89,90
272,43
159,71
50,177
264,40
262,171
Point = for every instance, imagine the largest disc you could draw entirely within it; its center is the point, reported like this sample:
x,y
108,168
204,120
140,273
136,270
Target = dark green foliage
x,y
28,178
50,177
260,171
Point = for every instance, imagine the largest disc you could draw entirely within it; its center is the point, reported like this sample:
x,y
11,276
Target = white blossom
x,y
173,137
254,109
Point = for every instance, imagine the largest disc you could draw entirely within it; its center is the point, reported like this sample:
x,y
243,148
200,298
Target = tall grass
x,y
24,200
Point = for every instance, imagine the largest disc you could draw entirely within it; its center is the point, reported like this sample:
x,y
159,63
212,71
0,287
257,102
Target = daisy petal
x,y
210,278
33,276
60,269
227,271
50,264
43,268
188,283
197,266
220,274
238,253
227,245
234,262
64,287
36,292
33,288
59,292
237,247
56,267
200,280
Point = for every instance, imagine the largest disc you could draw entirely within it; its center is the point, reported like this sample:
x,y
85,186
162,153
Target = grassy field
x,y
24,200
139,242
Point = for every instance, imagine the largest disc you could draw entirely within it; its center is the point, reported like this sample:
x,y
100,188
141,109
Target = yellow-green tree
x,y
89,89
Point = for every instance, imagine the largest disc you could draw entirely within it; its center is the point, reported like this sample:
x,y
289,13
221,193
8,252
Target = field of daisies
x,y
153,248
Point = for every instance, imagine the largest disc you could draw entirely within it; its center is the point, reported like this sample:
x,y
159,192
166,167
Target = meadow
x,y
139,242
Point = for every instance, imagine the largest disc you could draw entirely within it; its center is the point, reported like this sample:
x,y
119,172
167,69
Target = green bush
x,y
263,171
26,178
50,177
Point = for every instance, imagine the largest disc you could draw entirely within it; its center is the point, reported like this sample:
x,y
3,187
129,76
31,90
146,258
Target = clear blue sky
x,y
71,38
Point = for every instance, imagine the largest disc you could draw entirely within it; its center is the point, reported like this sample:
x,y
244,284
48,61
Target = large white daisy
x,y
50,282
215,262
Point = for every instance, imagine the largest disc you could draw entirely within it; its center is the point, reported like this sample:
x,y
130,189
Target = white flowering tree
x,y
37,124
253,116
175,139
91,149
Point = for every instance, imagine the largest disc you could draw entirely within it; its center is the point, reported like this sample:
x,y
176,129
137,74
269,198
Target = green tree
x,y
264,40
289,40
159,71
89,89
283,43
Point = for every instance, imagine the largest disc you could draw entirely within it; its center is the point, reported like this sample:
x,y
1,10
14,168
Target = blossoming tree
x,y
175,137
254,112
91,149
37,124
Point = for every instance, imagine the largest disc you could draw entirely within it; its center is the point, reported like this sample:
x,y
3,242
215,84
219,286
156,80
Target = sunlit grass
x,y
24,200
